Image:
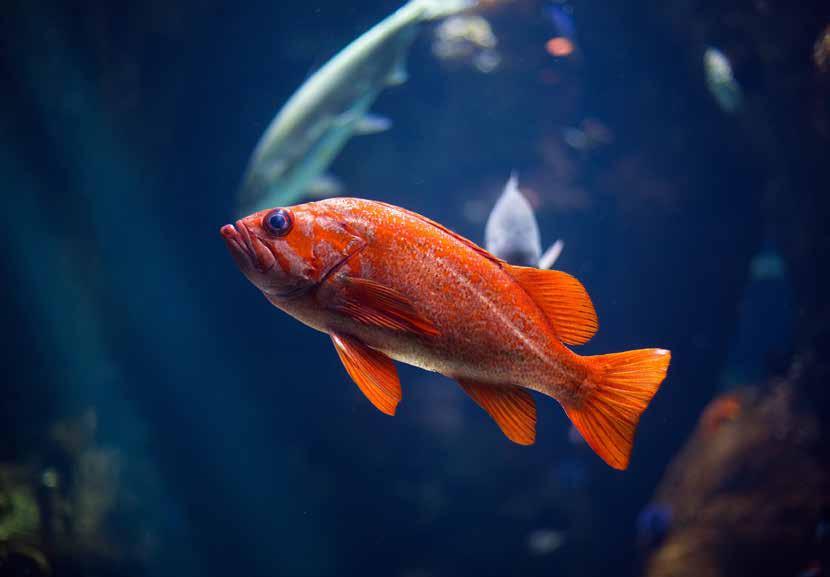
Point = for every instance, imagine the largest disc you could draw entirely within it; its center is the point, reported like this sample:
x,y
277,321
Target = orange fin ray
x,y
625,384
372,303
563,299
373,372
513,409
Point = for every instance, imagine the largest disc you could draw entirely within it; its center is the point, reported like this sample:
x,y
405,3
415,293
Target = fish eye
x,y
278,222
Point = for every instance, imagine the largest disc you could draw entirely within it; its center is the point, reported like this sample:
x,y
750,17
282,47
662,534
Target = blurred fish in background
x,y
590,135
331,106
563,43
821,51
512,234
763,341
467,39
721,81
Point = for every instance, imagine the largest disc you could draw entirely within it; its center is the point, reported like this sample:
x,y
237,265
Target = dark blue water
x,y
241,446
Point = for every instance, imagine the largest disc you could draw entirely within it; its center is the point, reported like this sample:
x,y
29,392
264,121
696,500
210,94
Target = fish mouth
x,y
247,246
235,243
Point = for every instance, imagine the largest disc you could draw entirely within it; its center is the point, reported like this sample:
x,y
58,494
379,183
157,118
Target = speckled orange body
x,y
386,283
489,329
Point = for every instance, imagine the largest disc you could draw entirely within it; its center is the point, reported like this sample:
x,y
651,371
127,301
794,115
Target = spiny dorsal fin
x,y
512,408
371,370
563,299
372,303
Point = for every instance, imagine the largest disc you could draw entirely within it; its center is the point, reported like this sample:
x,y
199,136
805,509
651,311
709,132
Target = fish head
x,y
289,252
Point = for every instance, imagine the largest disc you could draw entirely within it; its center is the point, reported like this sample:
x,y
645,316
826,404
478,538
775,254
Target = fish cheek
x,y
292,272
335,245
325,257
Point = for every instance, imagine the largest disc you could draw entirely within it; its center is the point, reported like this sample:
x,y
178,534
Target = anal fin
x,y
373,372
513,409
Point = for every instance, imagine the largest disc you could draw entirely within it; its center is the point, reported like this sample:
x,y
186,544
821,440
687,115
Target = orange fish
x,y
386,283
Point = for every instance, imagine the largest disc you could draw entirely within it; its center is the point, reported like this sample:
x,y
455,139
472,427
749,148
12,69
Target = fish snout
x,y
240,249
258,253
233,239
228,232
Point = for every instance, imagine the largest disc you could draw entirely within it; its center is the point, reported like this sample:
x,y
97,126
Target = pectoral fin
x,y
374,372
378,305
513,409
372,124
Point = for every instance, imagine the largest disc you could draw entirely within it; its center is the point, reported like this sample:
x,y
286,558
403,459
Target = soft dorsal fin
x,y
512,408
470,244
563,299
371,370
372,303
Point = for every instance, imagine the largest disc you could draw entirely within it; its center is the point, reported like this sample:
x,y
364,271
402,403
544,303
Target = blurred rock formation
x,y
746,493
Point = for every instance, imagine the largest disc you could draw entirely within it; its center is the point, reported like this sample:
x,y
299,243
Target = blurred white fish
x,y
467,38
332,105
720,81
511,232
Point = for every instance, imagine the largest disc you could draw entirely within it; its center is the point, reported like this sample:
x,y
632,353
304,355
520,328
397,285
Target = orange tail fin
x,y
625,383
